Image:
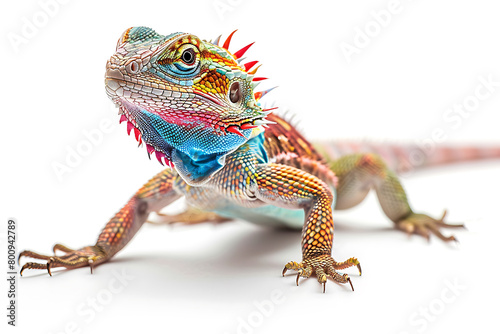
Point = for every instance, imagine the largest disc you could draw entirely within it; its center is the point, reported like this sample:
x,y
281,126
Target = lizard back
x,y
285,145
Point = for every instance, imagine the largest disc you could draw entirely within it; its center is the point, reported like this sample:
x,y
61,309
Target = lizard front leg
x,y
290,187
153,196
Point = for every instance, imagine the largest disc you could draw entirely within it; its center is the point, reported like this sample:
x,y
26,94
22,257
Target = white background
x,y
206,278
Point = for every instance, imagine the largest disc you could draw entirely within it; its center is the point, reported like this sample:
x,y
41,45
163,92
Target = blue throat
x,y
196,152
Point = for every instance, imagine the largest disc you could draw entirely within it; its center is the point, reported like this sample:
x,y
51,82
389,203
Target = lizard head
x,y
190,101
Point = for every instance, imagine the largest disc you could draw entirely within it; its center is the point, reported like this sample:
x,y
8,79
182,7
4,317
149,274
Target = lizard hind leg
x,y
190,216
358,173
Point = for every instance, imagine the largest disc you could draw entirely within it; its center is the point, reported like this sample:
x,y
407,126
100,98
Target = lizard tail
x,y
407,157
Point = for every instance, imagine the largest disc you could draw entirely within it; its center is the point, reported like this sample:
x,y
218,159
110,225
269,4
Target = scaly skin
x,y
193,105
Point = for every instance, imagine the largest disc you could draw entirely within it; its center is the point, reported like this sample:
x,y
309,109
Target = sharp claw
x,y
48,265
31,265
424,225
91,265
349,280
323,266
444,215
284,271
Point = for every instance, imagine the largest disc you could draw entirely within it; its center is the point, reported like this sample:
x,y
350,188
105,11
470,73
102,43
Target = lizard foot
x,y
323,266
190,216
417,223
87,256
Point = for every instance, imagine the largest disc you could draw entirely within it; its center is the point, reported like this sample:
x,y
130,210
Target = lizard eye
x,y
235,92
188,56
182,62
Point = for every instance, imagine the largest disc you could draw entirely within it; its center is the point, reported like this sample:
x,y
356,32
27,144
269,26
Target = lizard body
x,y
192,103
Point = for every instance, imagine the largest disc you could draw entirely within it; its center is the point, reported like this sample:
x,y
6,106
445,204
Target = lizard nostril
x,y
235,92
133,67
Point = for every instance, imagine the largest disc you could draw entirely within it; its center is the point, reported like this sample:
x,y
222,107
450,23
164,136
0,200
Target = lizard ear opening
x,y
235,92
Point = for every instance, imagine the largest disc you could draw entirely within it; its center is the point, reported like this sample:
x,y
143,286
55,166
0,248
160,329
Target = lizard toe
x,y
424,225
323,266
86,256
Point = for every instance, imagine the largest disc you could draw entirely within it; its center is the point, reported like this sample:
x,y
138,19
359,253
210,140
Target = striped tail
x,y
403,158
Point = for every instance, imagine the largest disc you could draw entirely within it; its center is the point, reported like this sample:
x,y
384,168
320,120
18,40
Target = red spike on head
x,y
228,40
270,109
249,65
259,95
241,52
255,70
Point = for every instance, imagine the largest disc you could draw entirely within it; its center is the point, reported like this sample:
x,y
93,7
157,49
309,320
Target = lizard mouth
x,y
115,81
120,89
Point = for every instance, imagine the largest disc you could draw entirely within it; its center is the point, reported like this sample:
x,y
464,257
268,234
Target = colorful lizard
x,y
192,103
